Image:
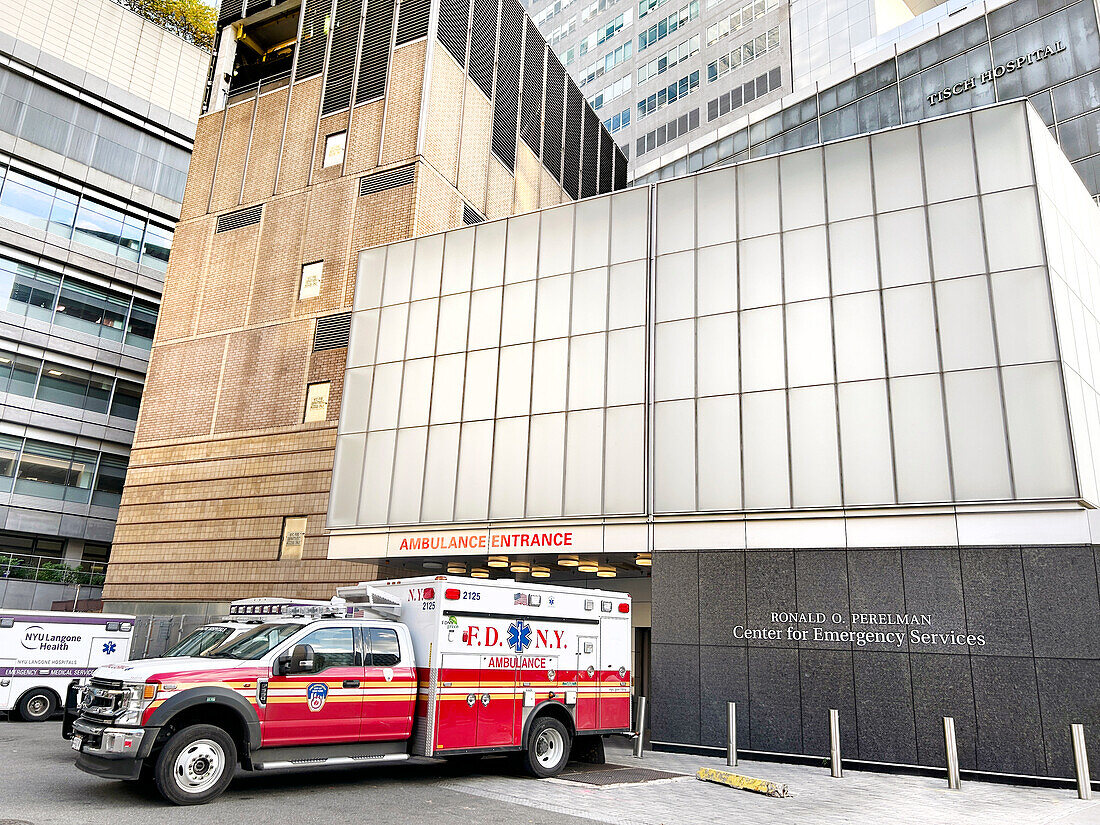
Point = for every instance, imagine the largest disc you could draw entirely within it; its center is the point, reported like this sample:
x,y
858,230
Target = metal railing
x,y
27,567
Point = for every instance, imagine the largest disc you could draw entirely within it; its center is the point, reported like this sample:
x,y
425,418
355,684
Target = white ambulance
x,y
42,651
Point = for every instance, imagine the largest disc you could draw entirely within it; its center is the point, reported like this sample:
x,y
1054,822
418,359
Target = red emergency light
x,y
452,593
429,592
624,607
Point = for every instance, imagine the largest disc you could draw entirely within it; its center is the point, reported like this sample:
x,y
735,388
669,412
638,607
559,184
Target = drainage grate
x,y
614,775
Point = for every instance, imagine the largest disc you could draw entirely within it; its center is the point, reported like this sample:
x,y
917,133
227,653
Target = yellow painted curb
x,y
744,783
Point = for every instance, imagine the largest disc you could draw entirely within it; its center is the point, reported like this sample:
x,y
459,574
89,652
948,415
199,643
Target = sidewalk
x,y
859,798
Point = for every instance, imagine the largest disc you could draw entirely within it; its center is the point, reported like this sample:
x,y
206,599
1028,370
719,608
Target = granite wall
x,y
1006,640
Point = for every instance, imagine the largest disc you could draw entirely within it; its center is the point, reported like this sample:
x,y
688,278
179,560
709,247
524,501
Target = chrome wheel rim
x,y
199,766
549,747
38,705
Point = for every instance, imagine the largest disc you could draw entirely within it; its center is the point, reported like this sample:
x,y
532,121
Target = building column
x,y
73,551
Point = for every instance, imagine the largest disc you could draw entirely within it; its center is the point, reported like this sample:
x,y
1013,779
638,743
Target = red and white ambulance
x,y
433,666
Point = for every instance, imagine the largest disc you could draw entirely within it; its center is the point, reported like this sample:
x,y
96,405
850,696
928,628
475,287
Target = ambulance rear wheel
x,y
196,765
37,705
548,748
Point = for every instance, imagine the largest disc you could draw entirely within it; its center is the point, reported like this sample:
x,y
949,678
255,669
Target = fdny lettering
x,y
483,542
475,636
518,662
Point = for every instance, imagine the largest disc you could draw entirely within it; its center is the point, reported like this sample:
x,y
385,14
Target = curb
x,y
744,783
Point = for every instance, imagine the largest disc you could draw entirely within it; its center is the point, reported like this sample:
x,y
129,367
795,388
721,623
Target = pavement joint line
x,y
573,783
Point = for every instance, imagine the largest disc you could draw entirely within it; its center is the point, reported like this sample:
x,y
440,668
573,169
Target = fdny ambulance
x,y
434,666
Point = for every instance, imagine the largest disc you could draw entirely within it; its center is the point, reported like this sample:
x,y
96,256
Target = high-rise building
x,y
97,115
331,126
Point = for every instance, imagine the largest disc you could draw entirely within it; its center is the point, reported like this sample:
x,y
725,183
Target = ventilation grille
x,y
391,179
590,159
413,22
311,53
483,35
376,52
607,161
332,332
240,218
470,216
454,19
254,6
555,113
230,13
530,116
341,61
574,111
620,169
506,104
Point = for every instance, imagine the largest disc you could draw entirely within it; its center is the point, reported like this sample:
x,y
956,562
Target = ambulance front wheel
x,y
196,765
548,748
37,705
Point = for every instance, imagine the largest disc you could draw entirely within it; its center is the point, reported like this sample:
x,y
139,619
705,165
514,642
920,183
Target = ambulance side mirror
x,y
299,659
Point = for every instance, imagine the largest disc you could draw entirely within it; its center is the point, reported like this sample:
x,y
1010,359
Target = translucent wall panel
x,y
363,339
1012,229
764,443
489,242
848,178
454,319
979,459
675,286
762,355
758,198
761,272
947,147
676,215
547,463
517,322
815,469
911,346
1025,324
715,194
624,460
858,332
903,247
474,455
353,414
374,489
347,470
674,456
587,354
548,378
627,296
514,381
802,189
427,267
716,279
485,307
805,264
556,241
1003,158
956,233
416,393
447,382
368,282
865,443
423,316
439,483
674,356
392,326
385,397
583,467
479,396
719,453
716,357
1037,431
408,475
591,246
397,284
895,157
853,256
966,329
509,468
521,256
920,441
630,225
552,307
809,343
590,301
458,257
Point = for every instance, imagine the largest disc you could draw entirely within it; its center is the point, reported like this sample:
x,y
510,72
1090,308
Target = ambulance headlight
x,y
136,698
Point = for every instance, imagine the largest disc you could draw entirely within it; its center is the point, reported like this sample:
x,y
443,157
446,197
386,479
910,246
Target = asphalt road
x,y
40,785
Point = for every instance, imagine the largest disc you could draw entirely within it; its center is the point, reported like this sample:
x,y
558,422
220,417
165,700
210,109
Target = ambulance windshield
x,y
257,643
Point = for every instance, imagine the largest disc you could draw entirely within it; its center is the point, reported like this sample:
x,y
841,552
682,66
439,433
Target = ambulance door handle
x,y
485,700
351,683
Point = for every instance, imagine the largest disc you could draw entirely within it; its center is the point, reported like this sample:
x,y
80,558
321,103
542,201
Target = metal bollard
x,y
1081,761
731,734
638,743
952,754
834,742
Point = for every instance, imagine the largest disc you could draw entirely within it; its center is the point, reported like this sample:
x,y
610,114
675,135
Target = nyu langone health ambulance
x,y
41,652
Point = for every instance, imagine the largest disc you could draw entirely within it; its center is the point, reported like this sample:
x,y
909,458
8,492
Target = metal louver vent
x,y
574,112
620,169
231,11
607,161
311,50
341,61
530,115
390,179
591,155
413,21
555,114
254,6
470,216
242,217
483,38
332,332
376,52
506,103
454,22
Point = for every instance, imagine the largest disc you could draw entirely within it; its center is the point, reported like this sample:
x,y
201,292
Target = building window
x,y
334,149
317,401
294,538
310,286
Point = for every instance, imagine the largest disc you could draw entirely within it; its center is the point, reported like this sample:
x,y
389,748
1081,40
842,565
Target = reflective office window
x,y
26,200
56,472
23,378
126,400
9,455
109,480
141,324
91,310
99,226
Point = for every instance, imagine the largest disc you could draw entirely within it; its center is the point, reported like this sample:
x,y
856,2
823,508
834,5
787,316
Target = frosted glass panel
x,y
1012,229
675,286
364,338
1037,432
422,327
408,475
439,483
716,339
509,468
552,307
586,371
1003,157
853,255
547,456
920,446
674,354
1021,303
368,281
764,434
356,401
481,385
628,295
910,330
514,386
458,256
427,267
629,225
593,225
809,343
416,392
903,247
374,494
858,331
758,198
556,241
472,488
716,196
624,453
489,254
716,274
674,456
484,318
548,382
583,468
626,366
761,272
803,189
948,158
815,472
590,301
450,375
385,396
454,317
517,325
805,264
719,453
966,331
347,470
897,171
848,177
978,457
865,443
399,263
391,333
521,262
956,239
675,215
762,349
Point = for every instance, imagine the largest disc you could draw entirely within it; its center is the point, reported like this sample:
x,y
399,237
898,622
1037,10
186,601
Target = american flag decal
x,y
521,598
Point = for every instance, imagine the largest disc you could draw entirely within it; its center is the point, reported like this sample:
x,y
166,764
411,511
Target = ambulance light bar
x,y
365,597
